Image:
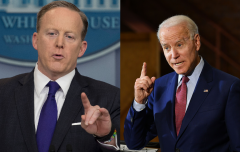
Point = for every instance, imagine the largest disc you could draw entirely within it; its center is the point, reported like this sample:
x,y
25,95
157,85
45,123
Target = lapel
x,y
198,97
169,97
24,95
71,107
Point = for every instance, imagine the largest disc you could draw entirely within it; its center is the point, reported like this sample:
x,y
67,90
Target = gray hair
x,y
176,20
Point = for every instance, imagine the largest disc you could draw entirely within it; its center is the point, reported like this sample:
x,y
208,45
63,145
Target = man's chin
x,y
60,71
181,72
57,71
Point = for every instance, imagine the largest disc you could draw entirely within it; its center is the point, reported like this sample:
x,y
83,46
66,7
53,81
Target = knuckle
x,y
145,77
137,80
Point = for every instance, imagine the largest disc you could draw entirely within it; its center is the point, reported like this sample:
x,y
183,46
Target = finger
x,y
83,117
144,80
151,88
83,121
144,70
147,79
90,113
85,102
104,112
95,116
153,79
140,86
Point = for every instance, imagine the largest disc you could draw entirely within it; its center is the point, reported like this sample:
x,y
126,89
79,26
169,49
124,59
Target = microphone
x,y
51,148
69,148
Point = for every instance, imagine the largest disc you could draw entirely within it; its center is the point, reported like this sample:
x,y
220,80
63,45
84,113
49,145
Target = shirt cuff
x,y
139,107
110,146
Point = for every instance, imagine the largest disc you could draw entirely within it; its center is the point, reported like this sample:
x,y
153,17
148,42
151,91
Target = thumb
x,y
153,79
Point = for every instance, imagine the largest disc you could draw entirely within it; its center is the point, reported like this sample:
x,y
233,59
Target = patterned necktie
x,y
180,103
47,119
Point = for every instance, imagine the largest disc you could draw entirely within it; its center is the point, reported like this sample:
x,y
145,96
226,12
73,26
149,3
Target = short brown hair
x,y
65,4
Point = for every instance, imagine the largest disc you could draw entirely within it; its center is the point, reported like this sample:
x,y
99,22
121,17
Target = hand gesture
x,y
143,86
95,120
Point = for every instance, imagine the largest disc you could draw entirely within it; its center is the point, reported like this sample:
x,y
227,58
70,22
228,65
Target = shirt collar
x,y
41,80
196,73
65,81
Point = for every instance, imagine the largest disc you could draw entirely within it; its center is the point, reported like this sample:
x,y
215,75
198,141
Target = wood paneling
x,y
135,49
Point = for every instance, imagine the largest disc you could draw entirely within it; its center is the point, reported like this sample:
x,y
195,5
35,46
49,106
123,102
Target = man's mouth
x,y
58,56
178,63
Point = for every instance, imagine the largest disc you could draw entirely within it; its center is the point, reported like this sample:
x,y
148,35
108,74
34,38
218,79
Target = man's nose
x,y
60,41
175,53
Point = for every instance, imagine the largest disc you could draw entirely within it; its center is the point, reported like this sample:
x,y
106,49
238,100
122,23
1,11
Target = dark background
x,y
218,22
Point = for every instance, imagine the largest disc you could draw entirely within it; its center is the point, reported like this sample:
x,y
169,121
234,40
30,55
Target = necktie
x,y
180,103
47,119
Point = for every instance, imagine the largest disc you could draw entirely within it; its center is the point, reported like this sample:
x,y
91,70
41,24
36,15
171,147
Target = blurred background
x,y
219,27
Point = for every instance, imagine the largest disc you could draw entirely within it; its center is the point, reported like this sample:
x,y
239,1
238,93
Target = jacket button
x,y
177,150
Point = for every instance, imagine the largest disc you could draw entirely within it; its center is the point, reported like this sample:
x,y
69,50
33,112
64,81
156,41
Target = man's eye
x,y
179,45
166,48
70,37
51,33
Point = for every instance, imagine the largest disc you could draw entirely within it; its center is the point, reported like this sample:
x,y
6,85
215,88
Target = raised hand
x,y
95,120
143,86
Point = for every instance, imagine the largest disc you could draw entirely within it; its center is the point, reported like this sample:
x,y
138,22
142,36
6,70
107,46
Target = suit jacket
x,y
17,131
211,122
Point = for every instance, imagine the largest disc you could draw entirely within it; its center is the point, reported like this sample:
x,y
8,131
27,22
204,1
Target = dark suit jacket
x,y
17,130
211,122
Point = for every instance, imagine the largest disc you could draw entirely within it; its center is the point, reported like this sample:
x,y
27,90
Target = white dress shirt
x,y
191,84
41,91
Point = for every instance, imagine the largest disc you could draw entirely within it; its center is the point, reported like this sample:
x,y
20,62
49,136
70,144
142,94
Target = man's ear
x,y
197,41
34,40
83,48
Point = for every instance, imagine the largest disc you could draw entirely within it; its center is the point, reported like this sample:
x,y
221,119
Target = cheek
x,y
42,45
75,49
168,57
192,56
72,54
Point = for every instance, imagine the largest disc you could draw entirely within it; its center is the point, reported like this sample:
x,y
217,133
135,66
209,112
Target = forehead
x,y
173,34
63,19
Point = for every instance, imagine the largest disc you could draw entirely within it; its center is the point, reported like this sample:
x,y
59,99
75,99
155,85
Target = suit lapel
x,y
24,95
170,96
198,97
71,107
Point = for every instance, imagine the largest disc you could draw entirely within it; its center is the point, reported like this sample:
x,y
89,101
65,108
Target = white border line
x,y
80,60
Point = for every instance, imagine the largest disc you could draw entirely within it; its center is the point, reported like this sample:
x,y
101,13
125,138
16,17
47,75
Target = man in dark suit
x,y
195,108
54,108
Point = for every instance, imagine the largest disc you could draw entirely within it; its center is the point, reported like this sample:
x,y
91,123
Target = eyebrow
x,y
175,42
181,40
58,30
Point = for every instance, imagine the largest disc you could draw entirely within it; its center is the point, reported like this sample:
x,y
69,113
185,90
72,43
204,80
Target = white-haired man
x,y
195,108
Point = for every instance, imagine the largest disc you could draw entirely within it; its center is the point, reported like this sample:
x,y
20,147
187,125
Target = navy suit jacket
x,y
211,122
17,130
